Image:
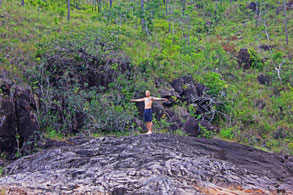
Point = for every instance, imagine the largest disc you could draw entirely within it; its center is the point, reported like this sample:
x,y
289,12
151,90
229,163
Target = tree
x,y
285,21
142,17
68,6
22,2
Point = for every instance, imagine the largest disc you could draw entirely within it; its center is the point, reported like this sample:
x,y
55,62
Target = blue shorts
x,y
147,115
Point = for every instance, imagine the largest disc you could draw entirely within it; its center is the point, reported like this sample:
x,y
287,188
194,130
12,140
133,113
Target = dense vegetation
x,y
138,44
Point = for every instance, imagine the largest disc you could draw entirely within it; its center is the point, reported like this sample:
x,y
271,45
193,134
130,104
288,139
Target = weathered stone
x,y
18,122
267,47
151,164
175,123
191,127
243,58
252,6
260,104
189,92
182,112
262,79
177,84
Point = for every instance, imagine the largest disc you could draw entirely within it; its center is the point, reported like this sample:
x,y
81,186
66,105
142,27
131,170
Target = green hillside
x,y
134,48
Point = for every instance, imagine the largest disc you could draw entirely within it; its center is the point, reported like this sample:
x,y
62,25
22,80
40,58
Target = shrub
x,y
214,83
227,133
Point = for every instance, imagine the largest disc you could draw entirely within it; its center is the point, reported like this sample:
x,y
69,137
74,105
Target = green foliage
x,y
227,133
290,147
203,42
204,132
53,134
256,61
214,83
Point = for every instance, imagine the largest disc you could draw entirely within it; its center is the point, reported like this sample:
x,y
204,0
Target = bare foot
x,y
148,133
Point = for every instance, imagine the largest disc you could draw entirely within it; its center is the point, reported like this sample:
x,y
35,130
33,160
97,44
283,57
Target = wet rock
x,y
243,58
151,164
262,79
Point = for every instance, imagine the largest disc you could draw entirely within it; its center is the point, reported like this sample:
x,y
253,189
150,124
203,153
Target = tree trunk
x,y
277,8
183,7
22,2
166,4
169,14
68,13
216,8
141,8
256,13
285,21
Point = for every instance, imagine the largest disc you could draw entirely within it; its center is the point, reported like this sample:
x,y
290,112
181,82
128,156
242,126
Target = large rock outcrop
x,y
18,122
150,164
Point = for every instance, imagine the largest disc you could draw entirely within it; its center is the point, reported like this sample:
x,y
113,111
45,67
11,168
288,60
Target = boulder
x,y
243,58
182,112
266,47
189,92
177,84
260,104
193,126
262,79
175,122
150,164
18,121
252,6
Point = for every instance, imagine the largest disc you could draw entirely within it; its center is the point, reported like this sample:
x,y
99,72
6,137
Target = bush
x,y
214,83
227,133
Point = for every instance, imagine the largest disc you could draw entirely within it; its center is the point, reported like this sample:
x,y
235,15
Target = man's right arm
x,y
138,100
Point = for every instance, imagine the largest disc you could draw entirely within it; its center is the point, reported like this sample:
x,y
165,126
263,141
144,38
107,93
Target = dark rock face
x,y
151,164
252,6
260,104
262,79
175,123
243,58
191,127
266,47
17,116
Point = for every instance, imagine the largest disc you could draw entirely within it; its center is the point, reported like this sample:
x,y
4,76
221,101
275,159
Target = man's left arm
x,y
159,99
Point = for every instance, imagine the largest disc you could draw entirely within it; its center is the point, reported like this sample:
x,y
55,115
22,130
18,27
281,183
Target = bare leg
x,y
149,126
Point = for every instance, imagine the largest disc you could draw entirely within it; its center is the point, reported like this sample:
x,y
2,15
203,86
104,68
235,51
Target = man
x,y
147,115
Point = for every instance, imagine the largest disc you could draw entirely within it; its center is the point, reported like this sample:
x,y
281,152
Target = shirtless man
x,y
147,115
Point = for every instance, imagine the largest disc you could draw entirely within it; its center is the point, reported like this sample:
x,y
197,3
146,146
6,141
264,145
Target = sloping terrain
x,y
150,164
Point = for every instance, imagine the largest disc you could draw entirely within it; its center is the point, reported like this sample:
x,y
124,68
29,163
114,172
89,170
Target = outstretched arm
x,y
138,100
162,99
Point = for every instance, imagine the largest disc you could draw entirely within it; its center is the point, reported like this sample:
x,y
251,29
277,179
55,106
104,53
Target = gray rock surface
x,y
150,164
